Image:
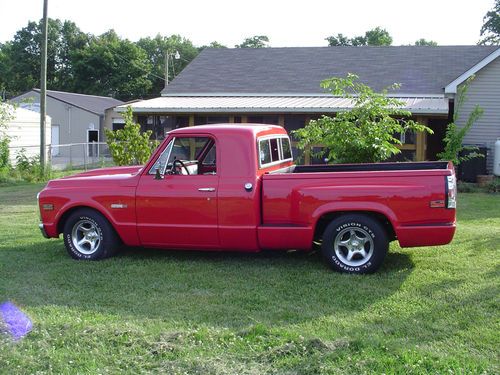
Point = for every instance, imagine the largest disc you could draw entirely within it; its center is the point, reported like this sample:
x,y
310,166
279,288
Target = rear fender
x,y
337,207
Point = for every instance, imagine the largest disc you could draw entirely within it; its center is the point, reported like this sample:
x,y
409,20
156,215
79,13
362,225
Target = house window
x,y
408,137
294,122
118,125
181,121
207,120
160,125
264,119
319,155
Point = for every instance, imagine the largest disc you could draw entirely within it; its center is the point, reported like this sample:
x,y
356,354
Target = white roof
x,y
23,115
272,104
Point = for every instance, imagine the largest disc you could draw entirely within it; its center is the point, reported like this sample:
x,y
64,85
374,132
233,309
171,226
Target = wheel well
x,y
64,217
325,219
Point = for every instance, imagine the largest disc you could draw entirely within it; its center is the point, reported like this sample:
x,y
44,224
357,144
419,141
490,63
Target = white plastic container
x,y
496,161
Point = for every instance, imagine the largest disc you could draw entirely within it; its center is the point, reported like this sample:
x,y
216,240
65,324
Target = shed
x,y
24,132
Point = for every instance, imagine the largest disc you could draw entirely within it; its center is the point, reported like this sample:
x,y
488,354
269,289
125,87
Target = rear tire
x,y
355,244
89,236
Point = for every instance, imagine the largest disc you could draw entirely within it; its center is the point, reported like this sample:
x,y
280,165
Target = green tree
x,y
257,41
111,66
20,58
156,48
454,137
424,42
378,37
3,71
130,146
213,44
374,37
491,26
367,133
338,40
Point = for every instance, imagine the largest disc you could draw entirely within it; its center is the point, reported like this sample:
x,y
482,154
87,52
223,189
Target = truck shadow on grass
x,y
223,289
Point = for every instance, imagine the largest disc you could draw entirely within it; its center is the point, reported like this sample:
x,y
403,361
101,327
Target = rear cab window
x,y
273,150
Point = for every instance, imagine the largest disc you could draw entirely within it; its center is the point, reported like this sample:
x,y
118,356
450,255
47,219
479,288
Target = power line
x,y
143,69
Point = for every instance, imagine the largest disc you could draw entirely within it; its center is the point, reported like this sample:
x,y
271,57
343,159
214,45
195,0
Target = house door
x,y
92,139
54,142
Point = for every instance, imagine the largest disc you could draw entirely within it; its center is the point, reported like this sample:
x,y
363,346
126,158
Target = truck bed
x,y
371,167
401,193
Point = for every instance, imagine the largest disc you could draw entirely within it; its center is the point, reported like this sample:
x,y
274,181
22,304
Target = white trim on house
x,y
264,104
294,95
451,88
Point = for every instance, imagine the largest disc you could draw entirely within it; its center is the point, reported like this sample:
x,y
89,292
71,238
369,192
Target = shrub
x,y
367,133
128,146
453,140
467,187
493,186
29,168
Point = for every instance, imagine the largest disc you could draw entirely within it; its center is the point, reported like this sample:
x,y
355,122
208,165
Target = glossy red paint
x,y
281,210
403,197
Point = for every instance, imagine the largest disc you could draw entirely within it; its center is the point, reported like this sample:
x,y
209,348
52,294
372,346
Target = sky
x,y
286,23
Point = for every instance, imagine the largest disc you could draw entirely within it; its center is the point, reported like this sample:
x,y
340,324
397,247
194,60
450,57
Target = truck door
x,y
176,200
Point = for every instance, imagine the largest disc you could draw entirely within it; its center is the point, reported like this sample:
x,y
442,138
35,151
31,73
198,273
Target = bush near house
x,y
454,138
367,133
130,146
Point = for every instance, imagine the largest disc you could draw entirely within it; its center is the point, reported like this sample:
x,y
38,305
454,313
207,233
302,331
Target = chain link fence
x,y
68,156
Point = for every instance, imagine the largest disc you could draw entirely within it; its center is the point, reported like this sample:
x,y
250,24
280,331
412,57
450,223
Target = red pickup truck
x,y
235,187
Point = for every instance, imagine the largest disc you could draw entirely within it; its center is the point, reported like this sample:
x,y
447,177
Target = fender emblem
x,y
118,205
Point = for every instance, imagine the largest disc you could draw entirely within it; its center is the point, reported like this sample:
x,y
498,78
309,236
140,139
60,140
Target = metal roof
x,y
272,104
423,70
92,103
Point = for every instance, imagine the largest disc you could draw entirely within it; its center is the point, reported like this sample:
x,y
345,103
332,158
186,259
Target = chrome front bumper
x,y
42,229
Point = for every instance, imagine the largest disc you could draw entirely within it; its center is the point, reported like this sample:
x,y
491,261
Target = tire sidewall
x,y
102,229
372,227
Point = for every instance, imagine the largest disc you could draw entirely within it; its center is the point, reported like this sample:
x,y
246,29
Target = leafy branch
x,y
367,133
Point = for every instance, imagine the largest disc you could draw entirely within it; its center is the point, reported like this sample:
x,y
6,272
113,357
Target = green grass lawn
x,y
428,310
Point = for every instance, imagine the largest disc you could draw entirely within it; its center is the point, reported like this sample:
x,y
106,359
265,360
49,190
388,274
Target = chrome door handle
x,y
206,189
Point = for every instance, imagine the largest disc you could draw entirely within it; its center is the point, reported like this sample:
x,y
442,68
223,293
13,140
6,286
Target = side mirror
x,y
158,175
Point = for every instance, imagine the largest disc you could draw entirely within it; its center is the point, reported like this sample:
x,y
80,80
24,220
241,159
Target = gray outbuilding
x,y
76,119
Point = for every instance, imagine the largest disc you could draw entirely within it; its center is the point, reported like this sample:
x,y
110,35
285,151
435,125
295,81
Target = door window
x,y
187,156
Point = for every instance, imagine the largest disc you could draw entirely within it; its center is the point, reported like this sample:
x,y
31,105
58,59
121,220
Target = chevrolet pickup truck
x,y
236,188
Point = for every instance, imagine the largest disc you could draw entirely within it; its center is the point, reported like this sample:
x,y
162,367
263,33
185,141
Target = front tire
x,y
355,244
89,236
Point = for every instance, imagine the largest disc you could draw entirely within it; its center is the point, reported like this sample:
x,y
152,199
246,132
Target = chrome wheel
x,y
353,246
86,236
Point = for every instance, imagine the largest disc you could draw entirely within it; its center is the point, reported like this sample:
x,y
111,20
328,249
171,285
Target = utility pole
x,y
166,69
43,88
173,56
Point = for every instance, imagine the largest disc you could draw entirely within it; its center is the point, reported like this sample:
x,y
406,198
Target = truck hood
x,y
117,176
133,170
